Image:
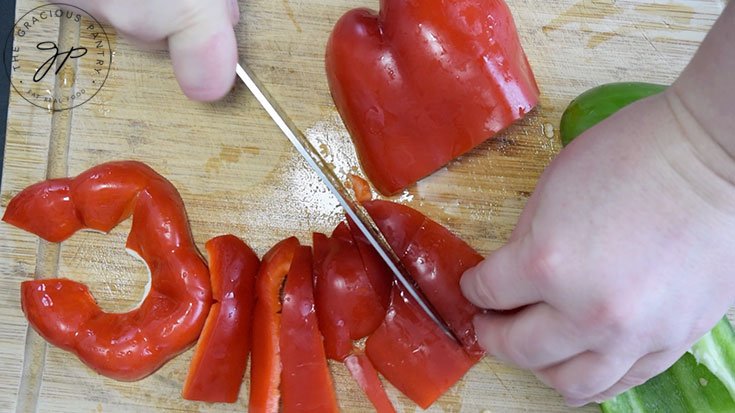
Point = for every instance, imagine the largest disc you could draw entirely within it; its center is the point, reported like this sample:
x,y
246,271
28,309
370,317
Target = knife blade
x,y
361,219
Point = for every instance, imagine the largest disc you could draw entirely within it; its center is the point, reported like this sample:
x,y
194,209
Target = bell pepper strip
x,y
124,346
600,102
414,354
221,354
420,83
364,373
348,306
306,381
702,380
436,260
265,355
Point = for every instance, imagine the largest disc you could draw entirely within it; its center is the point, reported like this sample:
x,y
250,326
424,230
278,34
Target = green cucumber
x,y
598,103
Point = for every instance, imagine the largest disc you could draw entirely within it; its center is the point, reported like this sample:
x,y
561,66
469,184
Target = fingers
x,y
585,375
199,36
647,367
536,337
500,282
204,53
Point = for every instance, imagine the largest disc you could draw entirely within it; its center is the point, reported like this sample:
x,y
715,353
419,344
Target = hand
x,y
199,36
622,258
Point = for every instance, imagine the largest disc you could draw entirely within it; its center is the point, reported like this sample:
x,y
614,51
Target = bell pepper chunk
x,y
420,83
348,306
364,373
221,354
265,363
352,289
306,381
414,354
124,346
436,260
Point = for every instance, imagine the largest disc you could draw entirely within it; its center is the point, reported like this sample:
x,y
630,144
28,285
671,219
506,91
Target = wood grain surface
x,y
237,174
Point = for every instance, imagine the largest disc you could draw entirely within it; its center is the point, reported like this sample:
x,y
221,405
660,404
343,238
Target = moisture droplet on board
x,y
548,130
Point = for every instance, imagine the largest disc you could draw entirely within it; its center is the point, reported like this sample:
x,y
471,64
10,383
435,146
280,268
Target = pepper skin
x,y
307,384
422,82
124,346
265,363
221,354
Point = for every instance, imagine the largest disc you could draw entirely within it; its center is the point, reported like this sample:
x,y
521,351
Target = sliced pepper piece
x,y
420,83
414,354
436,260
124,346
307,384
265,363
221,354
348,306
364,373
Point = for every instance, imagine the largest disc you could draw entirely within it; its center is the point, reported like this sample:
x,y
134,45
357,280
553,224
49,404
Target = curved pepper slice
x,y
307,384
414,354
124,346
348,306
265,363
420,83
221,355
436,259
352,289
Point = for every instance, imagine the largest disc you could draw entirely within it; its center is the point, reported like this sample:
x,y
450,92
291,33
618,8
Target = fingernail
x,y
234,11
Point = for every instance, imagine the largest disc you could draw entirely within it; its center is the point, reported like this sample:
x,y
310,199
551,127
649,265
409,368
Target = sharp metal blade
x,y
325,173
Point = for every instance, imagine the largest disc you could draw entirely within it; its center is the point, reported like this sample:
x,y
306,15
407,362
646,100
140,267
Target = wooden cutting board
x,y
237,174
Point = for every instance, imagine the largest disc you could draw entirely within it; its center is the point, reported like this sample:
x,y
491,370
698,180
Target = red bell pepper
x,y
363,371
124,346
420,83
265,363
348,306
221,355
414,354
436,259
352,293
307,384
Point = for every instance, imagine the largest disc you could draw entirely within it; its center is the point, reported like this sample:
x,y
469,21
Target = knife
x,y
361,219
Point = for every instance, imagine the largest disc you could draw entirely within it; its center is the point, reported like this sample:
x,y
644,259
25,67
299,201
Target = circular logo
x,y
60,56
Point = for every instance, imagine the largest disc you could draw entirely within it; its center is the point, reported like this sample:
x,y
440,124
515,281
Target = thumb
x,y
204,53
500,281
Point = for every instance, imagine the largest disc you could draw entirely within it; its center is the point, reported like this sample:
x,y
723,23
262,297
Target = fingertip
x,y
486,329
468,284
205,69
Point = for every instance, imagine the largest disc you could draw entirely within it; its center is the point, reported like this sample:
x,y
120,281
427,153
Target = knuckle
x,y
611,317
546,263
